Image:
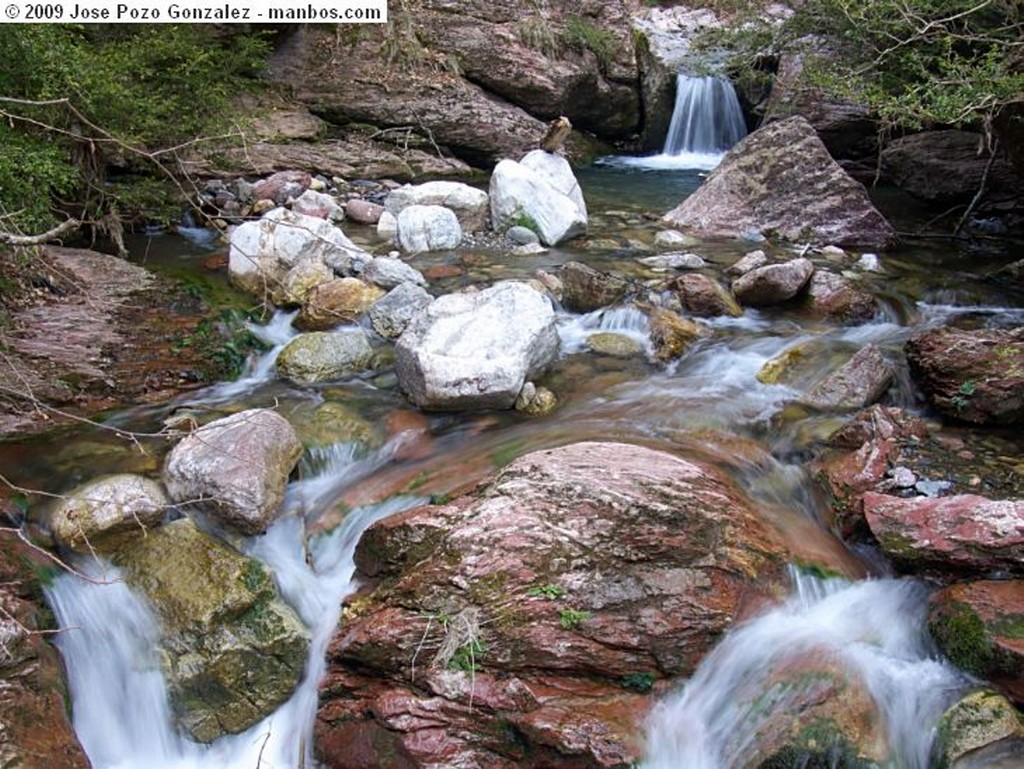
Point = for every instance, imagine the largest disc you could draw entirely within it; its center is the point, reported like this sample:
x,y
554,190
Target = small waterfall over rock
x,y
706,120
869,632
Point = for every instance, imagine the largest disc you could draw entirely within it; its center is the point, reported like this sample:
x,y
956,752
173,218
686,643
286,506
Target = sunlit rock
x,y
106,512
469,204
671,334
233,650
476,350
338,301
524,196
428,228
235,469
614,344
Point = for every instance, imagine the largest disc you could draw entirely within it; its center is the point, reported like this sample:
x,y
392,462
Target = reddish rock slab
x,y
524,625
965,533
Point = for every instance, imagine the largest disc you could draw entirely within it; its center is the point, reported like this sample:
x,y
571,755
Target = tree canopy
x,y
74,97
913,62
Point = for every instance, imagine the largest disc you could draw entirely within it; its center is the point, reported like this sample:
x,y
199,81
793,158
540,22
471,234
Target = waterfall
x,y
706,120
873,629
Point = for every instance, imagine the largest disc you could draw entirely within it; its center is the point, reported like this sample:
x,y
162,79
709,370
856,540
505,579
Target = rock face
x,y
521,627
235,469
966,533
101,514
977,625
945,165
544,200
780,180
234,650
36,730
476,350
976,375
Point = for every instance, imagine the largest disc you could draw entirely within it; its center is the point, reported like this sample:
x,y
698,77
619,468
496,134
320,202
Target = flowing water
x,y
706,121
697,405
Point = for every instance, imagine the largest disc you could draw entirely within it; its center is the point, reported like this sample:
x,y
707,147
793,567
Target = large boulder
x,y
973,375
233,650
100,515
261,252
521,195
966,533
321,356
978,626
780,180
36,727
235,469
469,204
526,625
476,350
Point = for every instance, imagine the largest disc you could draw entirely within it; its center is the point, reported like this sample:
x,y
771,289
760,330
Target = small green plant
x,y
962,399
638,682
535,33
469,656
570,619
583,35
523,219
548,591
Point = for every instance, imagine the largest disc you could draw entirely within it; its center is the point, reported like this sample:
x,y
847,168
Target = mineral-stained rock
x,y
859,382
523,625
338,301
973,375
781,180
585,289
836,298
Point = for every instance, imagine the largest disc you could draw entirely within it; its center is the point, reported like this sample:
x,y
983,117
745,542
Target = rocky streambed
x,y
603,452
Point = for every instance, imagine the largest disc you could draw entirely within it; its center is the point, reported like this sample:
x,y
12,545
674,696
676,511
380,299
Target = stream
x,y
119,699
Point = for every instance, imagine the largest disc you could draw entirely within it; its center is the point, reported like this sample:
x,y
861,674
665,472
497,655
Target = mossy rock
x,y
977,720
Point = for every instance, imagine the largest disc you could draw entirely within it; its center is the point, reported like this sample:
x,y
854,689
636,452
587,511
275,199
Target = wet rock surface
x,y
549,602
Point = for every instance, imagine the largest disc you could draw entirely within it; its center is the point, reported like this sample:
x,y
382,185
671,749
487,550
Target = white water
x,y
119,697
706,121
873,629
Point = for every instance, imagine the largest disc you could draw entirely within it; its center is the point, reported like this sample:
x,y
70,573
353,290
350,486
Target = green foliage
x,y
962,398
926,62
535,33
638,682
570,619
149,87
548,591
469,656
584,35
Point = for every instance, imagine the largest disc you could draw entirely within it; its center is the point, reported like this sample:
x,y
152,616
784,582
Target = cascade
x,y
707,119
